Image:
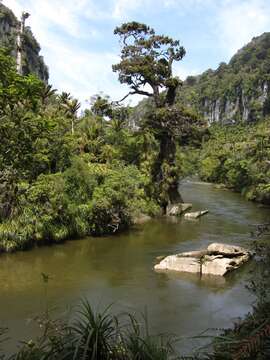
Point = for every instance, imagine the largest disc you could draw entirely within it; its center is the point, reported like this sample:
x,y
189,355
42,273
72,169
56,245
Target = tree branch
x,y
141,92
130,93
136,91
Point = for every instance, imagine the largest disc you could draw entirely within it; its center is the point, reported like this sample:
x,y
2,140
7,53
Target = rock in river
x,y
217,259
177,209
195,214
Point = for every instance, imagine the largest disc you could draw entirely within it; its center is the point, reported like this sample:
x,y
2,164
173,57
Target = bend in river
x,y
119,270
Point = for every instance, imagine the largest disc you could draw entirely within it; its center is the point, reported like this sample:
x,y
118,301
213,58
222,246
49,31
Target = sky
x,y
79,46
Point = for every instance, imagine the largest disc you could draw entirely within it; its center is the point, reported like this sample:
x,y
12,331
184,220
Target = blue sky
x,y
79,46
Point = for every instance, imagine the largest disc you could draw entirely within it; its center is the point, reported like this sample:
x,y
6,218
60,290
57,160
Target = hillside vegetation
x,y
236,156
234,92
235,100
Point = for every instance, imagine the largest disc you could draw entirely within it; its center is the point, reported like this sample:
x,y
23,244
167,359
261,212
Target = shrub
x,y
86,199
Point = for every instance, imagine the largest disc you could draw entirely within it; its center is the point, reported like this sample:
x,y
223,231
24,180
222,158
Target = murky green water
x,y
119,270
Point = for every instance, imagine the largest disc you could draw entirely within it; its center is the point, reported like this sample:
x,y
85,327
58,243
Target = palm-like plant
x,y
47,92
70,106
95,334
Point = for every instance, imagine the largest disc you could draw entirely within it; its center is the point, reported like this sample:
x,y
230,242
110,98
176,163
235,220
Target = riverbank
x,y
88,199
234,156
119,270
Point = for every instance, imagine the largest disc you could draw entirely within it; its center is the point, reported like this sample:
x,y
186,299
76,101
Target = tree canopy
x,y
146,62
146,66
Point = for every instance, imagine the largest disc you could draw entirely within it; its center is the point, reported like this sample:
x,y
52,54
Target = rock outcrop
x,y
32,61
177,209
218,259
234,92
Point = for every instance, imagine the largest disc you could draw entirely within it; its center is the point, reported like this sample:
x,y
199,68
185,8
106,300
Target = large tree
x,y
146,66
146,62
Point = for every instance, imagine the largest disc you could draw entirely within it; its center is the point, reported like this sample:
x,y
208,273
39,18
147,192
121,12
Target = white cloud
x,y
183,71
61,27
122,8
184,5
238,21
73,68
14,5
45,14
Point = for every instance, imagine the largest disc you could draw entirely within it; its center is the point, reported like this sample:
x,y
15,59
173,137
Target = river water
x,y
119,270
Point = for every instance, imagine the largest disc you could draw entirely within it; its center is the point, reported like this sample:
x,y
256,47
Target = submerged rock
x,y
195,214
217,259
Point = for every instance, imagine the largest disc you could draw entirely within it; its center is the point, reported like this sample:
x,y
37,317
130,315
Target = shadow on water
x,y
119,270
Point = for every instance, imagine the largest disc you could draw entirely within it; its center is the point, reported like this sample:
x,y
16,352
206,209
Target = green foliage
x,y
64,176
243,82
146,59
98,336
187,161
237,156
86,199
210,168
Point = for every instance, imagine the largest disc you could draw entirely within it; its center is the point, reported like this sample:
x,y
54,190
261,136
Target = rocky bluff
x,y
32,60
237,91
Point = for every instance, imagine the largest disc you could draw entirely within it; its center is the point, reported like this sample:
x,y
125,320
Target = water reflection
x,y
119,270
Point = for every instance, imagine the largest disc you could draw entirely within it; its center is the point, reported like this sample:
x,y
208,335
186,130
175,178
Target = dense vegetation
x,y
64,176
147,60
238,157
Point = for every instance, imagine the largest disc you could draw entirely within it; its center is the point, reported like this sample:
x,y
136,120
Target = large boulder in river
x,y
176,263
184,262
217,259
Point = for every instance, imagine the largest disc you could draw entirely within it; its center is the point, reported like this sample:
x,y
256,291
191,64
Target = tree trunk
x,y
165,175
171,91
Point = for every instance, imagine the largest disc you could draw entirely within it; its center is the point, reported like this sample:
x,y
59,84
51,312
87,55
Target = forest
x,y
67,173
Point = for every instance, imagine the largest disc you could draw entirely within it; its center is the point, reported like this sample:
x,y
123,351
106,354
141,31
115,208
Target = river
x,y
119,270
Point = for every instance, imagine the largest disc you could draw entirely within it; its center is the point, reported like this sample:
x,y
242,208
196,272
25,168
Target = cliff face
x,y
242,107
32,61
237,91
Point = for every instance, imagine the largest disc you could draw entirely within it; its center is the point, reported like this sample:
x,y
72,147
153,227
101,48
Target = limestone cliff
x,y
237,91
32,61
